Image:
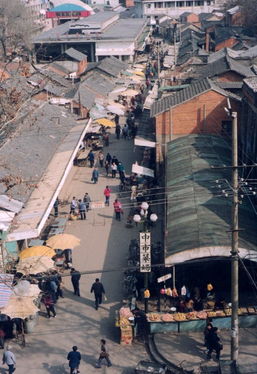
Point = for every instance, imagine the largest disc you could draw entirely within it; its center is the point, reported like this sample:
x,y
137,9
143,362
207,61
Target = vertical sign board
x,y
145,252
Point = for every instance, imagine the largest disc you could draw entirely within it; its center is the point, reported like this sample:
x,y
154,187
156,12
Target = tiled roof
x,y
99,83
223,65
85,96
75,54
112,66
186,94
252,83
68,7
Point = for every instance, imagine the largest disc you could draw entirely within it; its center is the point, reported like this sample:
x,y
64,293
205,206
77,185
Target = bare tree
x,y
249,12
16,27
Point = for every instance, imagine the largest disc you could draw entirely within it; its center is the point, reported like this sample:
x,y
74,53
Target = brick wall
x,y
201,115
226,43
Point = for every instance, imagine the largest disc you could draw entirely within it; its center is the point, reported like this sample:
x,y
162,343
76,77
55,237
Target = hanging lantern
x,y
146,294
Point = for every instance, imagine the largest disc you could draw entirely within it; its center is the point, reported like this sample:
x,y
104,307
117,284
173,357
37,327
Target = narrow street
x,y
104,245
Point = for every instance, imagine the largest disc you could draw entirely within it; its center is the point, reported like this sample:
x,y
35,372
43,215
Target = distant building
x,y
67,12
174,8
101,35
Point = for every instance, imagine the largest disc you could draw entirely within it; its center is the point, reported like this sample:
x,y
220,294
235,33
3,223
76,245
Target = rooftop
x,y
98,83
75,54
251,83
68,7
198,220
193,90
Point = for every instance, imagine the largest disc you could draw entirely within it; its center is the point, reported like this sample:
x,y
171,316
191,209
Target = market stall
x,y
196,321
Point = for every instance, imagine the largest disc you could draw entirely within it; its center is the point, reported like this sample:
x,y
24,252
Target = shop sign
x,y
145,252
164,278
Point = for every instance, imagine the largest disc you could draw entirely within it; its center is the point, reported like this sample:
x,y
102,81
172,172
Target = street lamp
x,y
145,246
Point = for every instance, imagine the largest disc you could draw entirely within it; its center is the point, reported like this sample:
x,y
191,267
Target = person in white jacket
x,y
9,359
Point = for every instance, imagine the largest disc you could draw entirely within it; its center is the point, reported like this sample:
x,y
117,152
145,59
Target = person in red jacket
x,y
107,194
117,209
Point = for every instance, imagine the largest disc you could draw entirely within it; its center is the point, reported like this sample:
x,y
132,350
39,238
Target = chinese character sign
x,y
145,252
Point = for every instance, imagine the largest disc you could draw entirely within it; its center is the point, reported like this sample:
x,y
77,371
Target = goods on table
x,y
251,310
242,311
125,312
154,317
179,317
191,315
228,311
167,317
201,315
211,314
220,313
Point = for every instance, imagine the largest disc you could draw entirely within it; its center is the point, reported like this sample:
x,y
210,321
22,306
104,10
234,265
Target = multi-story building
x,y
174,8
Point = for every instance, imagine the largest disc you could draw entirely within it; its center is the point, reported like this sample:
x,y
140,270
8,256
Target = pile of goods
x,y
125,326
179,317
167,317
154,317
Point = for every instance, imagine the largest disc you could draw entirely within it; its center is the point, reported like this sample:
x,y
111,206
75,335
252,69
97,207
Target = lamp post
x,y
145,246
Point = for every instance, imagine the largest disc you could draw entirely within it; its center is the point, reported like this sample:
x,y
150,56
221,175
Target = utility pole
x,y
234,250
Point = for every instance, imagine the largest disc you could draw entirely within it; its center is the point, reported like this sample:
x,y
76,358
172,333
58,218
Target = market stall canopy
x,y
20,307
144,143
129,92
116,109
41,250
35,265
105,122
5,288
198,218
141,170
63,241
25,288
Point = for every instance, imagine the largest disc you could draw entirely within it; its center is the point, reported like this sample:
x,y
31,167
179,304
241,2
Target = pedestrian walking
x,y
115,160
213,343
121,171
101,159
87,201
104,355
107,194
117,209
106,140
73,205
74,358
108,158
95,175
59,286
67,257
125,131
2,335
91,158
98,290
9,359
117,131
114,169
75,277
82,209
107,166
56,207
49,304
116,119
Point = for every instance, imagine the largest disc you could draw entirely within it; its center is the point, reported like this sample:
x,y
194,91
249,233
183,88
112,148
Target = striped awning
x,y
6,289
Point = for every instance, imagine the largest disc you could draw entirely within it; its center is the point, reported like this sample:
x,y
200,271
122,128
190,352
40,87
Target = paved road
x,y
104,245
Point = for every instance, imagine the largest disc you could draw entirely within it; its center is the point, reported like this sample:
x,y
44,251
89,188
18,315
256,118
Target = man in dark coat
x,y
98,290
75,277
213,343
74,358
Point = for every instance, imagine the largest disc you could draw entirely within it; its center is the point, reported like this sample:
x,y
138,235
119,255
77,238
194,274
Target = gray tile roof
x,y
98,83
112,66
55,90
230,85
223,65
252,83
196,216
186,94
29,144
75,54
85,96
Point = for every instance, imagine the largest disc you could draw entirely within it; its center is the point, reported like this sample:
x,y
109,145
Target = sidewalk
x,y
104,245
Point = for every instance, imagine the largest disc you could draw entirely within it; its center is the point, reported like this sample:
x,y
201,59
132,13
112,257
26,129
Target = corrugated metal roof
x,y
75,54
188,93
196,215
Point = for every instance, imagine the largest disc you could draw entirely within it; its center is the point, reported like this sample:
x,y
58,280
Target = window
x,y
148,6
199,3
189,3
180,4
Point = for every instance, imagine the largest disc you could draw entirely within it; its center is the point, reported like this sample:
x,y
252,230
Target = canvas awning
x,y
141,170
144,143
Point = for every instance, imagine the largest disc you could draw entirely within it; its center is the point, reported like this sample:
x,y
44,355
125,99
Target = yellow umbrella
x,y
40,250
105,122
35,265
20,307
63,241
140,73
